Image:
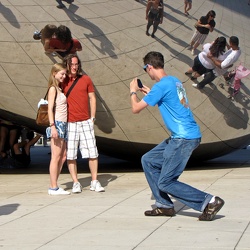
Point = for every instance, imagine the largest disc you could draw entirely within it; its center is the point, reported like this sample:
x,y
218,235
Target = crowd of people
x,y
72,111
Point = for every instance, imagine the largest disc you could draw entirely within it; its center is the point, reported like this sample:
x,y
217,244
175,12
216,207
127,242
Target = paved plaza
x,y
31,219
114,220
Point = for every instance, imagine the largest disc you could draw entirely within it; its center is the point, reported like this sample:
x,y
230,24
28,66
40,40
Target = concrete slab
x,y
31,219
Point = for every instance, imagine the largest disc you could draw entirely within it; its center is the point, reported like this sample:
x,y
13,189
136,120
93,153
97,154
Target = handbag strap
x,y
48,92
72,86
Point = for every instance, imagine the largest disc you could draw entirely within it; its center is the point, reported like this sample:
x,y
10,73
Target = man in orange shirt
x,y
81,117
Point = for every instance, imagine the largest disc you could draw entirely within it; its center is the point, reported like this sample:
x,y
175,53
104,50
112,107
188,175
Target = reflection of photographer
x,y
21,150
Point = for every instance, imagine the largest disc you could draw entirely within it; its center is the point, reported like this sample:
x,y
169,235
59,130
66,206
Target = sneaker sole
x,y
97,190
76,192
58,194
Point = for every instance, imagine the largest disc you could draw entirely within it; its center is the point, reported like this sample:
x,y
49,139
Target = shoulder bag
x,y
42,117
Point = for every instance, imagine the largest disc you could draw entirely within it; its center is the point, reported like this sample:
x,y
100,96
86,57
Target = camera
x,y
139,83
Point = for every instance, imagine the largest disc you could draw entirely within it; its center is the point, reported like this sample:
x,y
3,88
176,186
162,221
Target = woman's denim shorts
x,y
61,128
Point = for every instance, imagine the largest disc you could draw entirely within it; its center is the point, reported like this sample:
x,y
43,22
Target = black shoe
x,y
60,6
212,209
160,212
147,33
153,36
193,78
188,73
37,35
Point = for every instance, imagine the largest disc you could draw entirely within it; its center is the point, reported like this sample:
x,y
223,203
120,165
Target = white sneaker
x,y
192,52
96,186
77,188
59,191
195,85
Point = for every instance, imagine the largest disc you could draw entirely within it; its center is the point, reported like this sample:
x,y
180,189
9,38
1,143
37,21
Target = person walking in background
x,y
21,150
202,64
57,132
187,6
221,66
63,43
81,117
154,15
164,164
204,25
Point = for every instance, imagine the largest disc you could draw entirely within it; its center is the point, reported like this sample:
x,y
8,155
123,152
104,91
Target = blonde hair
x,y
55,68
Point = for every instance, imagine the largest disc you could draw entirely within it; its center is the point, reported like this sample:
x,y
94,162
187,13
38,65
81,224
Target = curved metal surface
x,y
113,37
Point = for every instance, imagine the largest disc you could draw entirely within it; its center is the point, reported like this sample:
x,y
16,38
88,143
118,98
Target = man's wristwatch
x,y
93,119
132,93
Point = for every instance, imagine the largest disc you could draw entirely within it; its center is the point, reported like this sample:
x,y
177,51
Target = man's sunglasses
x,y
145,67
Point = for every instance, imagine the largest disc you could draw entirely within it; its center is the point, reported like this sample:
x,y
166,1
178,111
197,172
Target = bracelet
x,y
52,124
133,93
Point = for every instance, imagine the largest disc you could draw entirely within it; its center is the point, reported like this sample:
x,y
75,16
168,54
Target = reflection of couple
x,y
78,107
221,62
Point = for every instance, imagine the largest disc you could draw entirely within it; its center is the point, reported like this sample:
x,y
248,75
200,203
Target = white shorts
x,y
81,134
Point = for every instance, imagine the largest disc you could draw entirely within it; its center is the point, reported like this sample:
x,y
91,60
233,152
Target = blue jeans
x,y
163,165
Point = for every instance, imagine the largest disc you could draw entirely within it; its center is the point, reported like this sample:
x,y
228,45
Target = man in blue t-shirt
x,y
165,163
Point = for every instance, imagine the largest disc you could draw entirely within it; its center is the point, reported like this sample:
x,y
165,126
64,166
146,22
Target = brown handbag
x,y
42,118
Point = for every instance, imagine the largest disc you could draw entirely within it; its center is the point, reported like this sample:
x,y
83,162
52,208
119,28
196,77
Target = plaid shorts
x,y
61,128
81,134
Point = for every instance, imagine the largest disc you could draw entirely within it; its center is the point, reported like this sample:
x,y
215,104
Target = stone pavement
x,y
31,219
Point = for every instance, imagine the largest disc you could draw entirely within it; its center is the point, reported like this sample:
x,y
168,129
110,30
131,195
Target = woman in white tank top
x,y
57,132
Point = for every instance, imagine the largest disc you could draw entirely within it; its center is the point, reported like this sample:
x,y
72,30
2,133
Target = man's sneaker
x,y
212,209
160,212
96,186
77,188
192,52
195,85
59,191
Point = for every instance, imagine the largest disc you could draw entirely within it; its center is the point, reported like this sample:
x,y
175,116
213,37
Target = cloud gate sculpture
x,y
112,34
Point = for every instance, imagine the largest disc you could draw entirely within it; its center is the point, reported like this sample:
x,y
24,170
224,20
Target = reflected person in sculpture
x,y
221,66
164,164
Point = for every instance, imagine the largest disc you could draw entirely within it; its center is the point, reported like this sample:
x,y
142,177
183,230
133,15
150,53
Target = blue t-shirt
x,y
172,101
